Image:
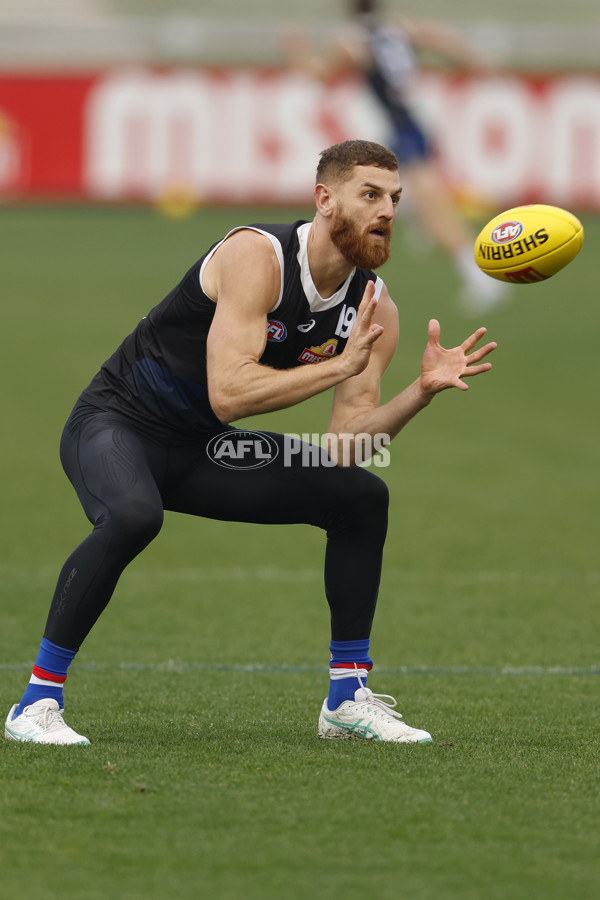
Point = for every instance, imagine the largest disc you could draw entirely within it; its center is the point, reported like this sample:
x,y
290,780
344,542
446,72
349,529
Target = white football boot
x,y
371,717
41,723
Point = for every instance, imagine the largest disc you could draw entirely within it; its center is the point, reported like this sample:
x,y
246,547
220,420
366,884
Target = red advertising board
x,y
42,134
246,135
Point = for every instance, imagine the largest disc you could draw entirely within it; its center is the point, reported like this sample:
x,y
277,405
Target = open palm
x,y
443,368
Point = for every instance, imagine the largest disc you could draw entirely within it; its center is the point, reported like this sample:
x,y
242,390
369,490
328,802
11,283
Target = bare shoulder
x,y
246,259
387,311
246,243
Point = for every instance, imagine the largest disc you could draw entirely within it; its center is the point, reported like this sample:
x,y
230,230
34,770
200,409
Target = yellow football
x,y
528,243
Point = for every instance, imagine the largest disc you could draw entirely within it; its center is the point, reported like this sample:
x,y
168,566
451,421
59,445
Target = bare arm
x,y
346,54
446,41
356,408
349,52
244,277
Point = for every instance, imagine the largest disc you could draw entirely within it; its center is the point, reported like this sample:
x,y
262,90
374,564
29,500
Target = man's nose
x,y
388,208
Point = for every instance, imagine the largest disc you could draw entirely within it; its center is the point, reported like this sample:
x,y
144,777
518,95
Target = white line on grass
x,y
252,668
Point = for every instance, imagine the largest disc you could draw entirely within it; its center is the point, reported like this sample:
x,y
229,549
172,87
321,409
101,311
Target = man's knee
x,y
360,498
371,494
133,523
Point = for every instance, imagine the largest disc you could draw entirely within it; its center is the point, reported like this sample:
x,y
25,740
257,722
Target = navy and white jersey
x,y
389,74
157,377
393,66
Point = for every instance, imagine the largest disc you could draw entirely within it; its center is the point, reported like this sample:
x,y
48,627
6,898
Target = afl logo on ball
x,y
276,331
506,231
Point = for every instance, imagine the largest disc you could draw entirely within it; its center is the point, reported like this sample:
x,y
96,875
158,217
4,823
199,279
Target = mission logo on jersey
x,y
318,354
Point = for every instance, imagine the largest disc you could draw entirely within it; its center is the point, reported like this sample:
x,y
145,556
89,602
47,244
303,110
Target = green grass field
x,y
200,686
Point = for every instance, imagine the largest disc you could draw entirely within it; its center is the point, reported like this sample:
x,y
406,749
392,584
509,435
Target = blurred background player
x,y
385,54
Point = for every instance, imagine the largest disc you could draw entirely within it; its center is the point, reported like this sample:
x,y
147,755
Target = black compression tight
x,y
125,481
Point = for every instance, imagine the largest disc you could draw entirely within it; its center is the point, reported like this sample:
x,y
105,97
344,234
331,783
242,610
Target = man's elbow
x,y
223,405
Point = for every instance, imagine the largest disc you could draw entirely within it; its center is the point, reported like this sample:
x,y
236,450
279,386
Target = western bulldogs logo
x,y
317,354
506,231
276,331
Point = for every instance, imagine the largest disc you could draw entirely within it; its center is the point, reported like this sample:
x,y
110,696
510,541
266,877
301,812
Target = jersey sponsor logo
x,y
318,354
242,449
308,326
276,331
506,231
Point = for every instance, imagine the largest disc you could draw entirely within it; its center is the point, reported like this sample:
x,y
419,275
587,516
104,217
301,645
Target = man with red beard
x,y
239,336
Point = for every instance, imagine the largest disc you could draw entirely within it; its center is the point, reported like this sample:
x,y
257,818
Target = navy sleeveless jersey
x,y
392,69
157,377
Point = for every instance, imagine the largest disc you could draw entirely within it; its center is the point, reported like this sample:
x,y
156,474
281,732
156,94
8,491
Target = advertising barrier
x,y
253,136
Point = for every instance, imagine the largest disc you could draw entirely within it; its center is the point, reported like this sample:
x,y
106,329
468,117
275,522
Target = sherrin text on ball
x,y
528,244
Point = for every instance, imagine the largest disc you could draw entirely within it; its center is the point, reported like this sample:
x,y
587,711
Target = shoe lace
x,y
51,719
383,702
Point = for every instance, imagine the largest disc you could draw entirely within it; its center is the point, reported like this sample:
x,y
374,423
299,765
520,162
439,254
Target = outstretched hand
x,y
442,368
364,333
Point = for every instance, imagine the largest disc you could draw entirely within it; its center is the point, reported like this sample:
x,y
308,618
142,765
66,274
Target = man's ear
x,y
324,200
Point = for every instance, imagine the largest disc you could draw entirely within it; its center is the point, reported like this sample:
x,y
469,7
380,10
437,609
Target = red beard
x,y
360,248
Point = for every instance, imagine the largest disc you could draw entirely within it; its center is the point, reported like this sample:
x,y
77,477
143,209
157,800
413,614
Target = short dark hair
x,y
365,7
337,162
